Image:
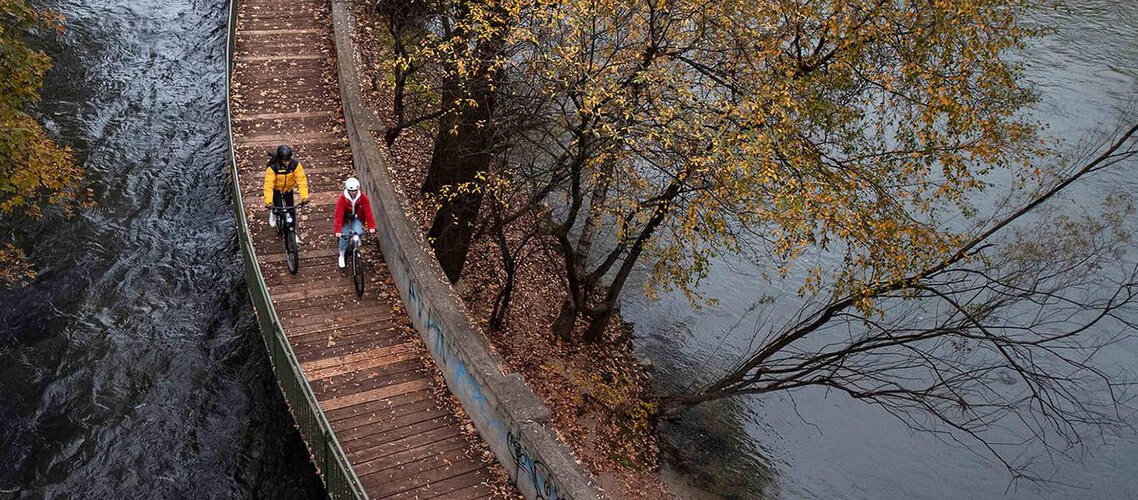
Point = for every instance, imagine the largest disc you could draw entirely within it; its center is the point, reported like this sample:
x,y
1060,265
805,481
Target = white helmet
x,y
352,184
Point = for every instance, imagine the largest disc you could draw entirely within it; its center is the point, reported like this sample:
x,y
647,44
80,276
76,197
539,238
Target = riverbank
x,y
598,396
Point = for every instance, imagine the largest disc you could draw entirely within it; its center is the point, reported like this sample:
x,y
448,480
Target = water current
x,y
131,367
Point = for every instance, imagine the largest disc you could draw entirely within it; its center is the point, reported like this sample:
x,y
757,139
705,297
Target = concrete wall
x,y
506,412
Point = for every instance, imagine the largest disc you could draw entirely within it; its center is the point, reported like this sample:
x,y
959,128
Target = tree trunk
x,y
563,326
595,332
445,159
607,309
452,230
458,160
502,301
592,221
459,163
671,406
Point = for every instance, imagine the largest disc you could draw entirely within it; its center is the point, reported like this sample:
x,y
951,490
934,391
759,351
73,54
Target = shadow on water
x,y
706,447
132,365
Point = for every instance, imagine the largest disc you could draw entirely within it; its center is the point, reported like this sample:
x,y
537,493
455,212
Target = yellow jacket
x,y
285,181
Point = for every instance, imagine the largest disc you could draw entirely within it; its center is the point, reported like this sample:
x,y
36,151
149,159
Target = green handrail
x,y
340,480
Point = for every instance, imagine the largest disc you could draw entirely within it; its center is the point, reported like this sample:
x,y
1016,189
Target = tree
x,y
34,171
679,126
458,48
1004,327
406,28
513,249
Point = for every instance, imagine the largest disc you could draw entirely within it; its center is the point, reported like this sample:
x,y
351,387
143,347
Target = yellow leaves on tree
x,y
34,171
864,122
700,128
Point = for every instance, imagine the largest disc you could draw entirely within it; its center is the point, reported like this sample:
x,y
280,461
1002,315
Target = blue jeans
x,y
354,227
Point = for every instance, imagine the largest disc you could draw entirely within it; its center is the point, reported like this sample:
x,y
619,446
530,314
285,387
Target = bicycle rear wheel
x,y
358,272
292,252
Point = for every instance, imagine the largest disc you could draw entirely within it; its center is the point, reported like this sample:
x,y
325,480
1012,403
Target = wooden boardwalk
x,y
396,425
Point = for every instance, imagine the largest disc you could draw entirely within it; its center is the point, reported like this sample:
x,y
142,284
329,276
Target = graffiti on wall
x,y
539,474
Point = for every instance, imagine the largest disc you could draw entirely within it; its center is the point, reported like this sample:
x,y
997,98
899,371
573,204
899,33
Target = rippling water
x,y
131,366
820,445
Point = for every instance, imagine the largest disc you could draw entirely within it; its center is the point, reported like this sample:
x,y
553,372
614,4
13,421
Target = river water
x,y
131,367
816,445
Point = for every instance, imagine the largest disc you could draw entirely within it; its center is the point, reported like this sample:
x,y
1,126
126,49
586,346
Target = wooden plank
x,y
446,465
337,361
325,318
302,138
348,434
284,293
374,362
367,379
374,394
472,492
378,405
370,422
417,467
315,352
417,450
298,115
285,57
360,456
371,327
402,432
442,489
304,31
332,301
345,338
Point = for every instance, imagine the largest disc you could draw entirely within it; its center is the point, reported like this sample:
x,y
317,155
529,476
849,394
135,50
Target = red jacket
x,y
344,212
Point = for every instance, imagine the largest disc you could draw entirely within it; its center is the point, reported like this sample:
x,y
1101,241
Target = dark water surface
x,y
814,445
131,366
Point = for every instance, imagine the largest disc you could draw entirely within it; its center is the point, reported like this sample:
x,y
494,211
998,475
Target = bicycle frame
x,y
285,214
352,252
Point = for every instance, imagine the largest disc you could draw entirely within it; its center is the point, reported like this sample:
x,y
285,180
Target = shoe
x,y
342,264
298,241
272,219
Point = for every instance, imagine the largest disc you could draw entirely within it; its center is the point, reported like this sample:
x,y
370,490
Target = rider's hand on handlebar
x,y
304,202
373,230
337,235
269,205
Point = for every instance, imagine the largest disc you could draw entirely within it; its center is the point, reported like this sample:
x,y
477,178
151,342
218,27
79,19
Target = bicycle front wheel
x,y
358,273
292,252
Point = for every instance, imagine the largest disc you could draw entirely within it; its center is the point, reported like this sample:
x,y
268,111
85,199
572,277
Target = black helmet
x,y
284,152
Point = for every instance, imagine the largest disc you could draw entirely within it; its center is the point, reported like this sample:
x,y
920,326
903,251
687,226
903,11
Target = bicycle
x,y
356,262
286,228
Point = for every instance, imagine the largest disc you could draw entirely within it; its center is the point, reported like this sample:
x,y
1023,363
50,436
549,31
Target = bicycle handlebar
x,y
288,207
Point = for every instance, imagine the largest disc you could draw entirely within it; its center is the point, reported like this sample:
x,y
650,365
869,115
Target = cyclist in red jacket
x,y
352,208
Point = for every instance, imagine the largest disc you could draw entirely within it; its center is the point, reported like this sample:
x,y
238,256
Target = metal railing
x,y
340,481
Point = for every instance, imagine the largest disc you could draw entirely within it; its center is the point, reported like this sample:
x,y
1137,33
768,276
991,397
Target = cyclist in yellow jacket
x,y
282,174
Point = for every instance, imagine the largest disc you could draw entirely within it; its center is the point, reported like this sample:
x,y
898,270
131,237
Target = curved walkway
x,y
366,368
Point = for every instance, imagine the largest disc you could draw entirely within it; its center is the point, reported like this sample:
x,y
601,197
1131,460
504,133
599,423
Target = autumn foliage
x,y
34,171
665,134
674,132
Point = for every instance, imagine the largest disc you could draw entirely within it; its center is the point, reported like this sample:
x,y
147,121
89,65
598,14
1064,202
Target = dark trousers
x,y
284,199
